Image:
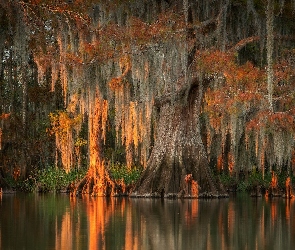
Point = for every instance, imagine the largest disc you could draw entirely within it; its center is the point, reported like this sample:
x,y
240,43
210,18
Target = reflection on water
x,y
60,222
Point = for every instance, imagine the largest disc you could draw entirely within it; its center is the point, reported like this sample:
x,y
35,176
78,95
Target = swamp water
x,y
33,221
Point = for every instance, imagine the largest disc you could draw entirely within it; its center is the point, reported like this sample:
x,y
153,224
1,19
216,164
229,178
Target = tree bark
x,y
179,152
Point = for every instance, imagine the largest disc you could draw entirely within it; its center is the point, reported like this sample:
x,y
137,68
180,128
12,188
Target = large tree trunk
x,y
178,164
178,159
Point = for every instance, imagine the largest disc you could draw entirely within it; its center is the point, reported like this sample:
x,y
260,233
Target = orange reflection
x,y
289,204
221,228
64,241
231,217
131,240
97,214
273,209
191,212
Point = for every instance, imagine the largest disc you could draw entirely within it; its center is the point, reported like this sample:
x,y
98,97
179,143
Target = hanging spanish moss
x,y
187,88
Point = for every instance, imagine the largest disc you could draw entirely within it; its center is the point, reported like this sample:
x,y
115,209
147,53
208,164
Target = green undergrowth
x,y
253,181
50,179
54,179
119,172
247,182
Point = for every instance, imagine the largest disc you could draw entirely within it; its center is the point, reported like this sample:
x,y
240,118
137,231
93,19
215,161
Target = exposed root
x,y
99,186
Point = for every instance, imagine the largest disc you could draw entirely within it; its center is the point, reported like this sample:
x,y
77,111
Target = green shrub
x,y
228,181
121,172
251,182
50,179
243,186
56,179
255,179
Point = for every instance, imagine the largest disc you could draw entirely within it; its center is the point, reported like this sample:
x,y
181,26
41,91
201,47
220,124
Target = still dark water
x,y
29,221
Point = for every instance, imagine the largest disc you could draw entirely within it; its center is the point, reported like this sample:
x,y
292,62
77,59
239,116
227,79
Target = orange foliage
x,y
235,89
288,187
125,64
274,120
192,185
72,58
16,173
274,180
35,1
138,29
60,7
242,84
90,48
96,178
116,83
262,160
195,188
43,62
113,32
220,162
284,84
293,160
273,187
231,163
216,61
188,178
131,132
283,71
169,25
104,118
241,78
64,127
4,116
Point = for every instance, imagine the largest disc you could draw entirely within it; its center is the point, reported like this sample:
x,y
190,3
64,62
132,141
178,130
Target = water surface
x,y
32,221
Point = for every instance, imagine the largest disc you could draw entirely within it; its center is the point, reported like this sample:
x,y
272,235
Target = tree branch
x,y
241,44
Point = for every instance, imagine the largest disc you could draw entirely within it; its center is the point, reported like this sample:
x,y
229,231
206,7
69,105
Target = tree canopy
x,y
186,90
